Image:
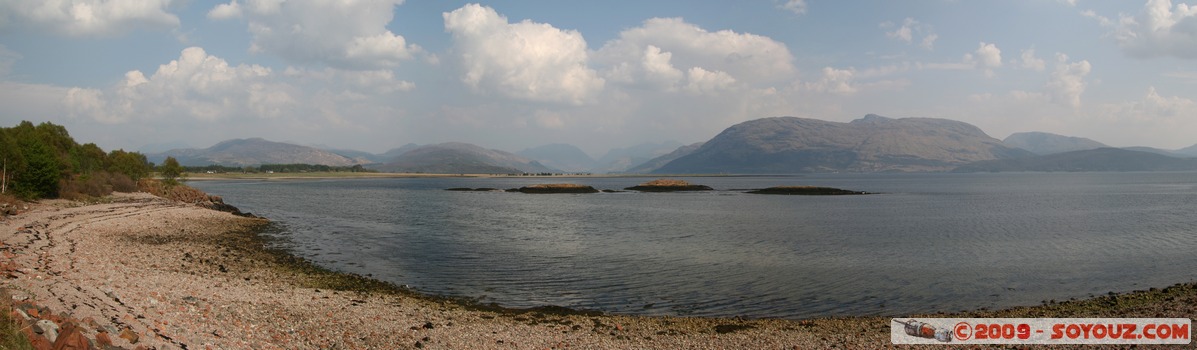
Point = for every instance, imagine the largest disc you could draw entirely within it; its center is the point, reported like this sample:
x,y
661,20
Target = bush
x,y
122,183
87,186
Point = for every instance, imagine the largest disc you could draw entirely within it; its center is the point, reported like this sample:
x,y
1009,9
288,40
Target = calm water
x,y
931,242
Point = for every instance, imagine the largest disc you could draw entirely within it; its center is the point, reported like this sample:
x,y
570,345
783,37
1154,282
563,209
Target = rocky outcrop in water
x,y
806,191
555,188
668,185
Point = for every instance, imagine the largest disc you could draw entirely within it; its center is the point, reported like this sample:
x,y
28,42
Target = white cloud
x,y
225,11
798,7
1067,82
196,85
89,18
341,34
906,32
526,60
929,41
702,81
747,58
1161,29
986,58
848,81
1027,60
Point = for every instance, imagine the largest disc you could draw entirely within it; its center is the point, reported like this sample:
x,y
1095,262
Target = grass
x,y
11,336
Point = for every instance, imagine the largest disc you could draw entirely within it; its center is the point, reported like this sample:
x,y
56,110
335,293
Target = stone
x,y
130,335
71,339
103,339
556,188
47,329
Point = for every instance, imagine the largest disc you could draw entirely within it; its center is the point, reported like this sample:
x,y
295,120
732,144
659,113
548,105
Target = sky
x,y
375,75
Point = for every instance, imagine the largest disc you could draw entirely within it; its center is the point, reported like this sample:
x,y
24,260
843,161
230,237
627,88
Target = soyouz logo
x,y
1041,331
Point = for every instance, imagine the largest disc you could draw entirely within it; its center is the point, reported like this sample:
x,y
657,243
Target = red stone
x,y
70,338
33,313
103,338
129,335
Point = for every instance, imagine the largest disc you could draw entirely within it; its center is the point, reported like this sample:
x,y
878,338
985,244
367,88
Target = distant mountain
x,y
658,162
255,151
461,158
1042,143
162,147
388,156
619,160
1165,152
874,143
1190,151
361,157
1101,159
561,156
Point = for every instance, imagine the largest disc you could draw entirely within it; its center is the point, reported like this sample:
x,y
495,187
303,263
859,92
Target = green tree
x,y
131,164
171,171
42,171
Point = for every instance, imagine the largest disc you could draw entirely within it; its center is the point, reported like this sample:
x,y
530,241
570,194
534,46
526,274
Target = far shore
x,y
173,275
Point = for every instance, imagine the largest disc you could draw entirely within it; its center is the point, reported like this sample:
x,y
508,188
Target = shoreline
x,y
179,275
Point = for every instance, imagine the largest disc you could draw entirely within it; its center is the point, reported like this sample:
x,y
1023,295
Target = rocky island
x,y
806,191
555,188
668,185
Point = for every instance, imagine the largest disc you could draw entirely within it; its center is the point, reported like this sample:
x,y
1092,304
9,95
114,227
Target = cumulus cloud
x,y
225,11
1161,29
525,60
341,34
797,7
850,81
196,85
1027,60
986,58
747,58
907,31
89,18
1067,82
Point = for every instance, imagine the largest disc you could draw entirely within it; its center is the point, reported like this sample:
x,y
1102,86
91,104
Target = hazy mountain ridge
x,y
1101,159
658,162
254,151
870,144
462,158
560,156
1043,143
619,160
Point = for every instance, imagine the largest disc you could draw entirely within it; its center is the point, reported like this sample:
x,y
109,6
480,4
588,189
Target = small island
x,y
806,191
555,188
467,189
668,185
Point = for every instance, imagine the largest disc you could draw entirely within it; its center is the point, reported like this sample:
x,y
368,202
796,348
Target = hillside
x,y
254,151
874,143
658,162
560,156
1043,143
1101,159
619,160
461,158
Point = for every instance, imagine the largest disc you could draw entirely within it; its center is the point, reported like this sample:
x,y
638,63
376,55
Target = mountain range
x,y
874,143
776,145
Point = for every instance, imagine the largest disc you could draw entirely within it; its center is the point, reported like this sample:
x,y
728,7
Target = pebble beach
x,y
137,271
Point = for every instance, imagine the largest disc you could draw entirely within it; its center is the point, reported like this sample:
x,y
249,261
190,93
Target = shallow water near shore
x,y
926,243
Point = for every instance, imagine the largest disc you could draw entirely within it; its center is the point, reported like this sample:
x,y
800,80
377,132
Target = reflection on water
x,y
929,242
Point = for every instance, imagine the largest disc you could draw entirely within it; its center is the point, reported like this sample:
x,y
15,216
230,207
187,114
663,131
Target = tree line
x,y
279,168
43,161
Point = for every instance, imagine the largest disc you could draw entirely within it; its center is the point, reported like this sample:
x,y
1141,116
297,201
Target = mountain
x,y
1190,151
561,156
390,155
255,151
619,160
658,162
1153,150
461,158
1101,159
1043,143
874,143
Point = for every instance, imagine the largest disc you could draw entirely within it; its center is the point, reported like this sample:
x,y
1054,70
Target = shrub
x,y
122,183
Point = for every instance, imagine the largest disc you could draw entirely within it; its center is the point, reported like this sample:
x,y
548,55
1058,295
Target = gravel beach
x,y
138,271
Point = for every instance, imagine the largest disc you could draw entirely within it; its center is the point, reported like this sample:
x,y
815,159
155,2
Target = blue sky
x,y
373,75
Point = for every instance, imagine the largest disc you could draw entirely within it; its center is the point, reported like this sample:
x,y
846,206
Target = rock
x,y
103,339
806,191
71,339
47,329
467,189
556,188
130,335
668,185
428,325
